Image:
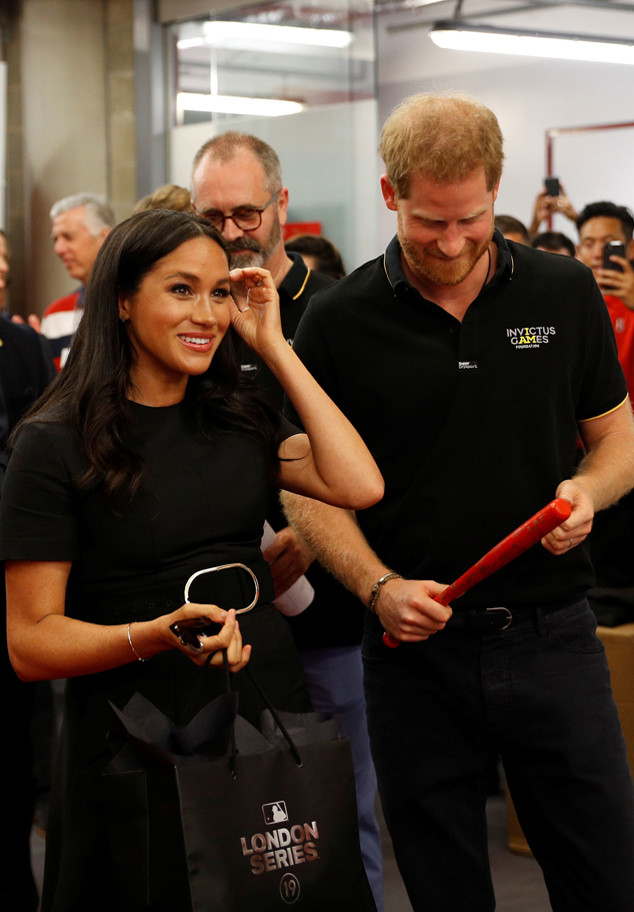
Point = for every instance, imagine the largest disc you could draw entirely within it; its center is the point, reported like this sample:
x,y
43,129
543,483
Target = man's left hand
x,y
289,557
578,525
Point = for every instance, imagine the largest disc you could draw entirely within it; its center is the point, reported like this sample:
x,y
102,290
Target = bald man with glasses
x,y
237,185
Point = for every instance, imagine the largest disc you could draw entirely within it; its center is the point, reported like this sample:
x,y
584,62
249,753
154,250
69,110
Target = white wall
x,y
529,97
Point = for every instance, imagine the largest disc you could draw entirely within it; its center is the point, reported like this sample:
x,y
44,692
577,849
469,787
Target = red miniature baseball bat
x,y
518,541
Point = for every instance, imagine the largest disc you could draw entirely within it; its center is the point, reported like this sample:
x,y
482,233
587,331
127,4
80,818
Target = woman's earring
x,y
123,319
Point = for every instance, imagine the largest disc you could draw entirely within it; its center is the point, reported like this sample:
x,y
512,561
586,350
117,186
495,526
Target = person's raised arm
x,y
546,206
330,461
45,643
405,607
605,474
541,211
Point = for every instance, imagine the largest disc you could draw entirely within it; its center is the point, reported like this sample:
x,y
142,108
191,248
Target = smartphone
x,y
616,248
552,186
188,629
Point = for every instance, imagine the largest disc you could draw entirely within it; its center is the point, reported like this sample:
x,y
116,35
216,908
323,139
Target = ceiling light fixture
x,y
221,32
235,104
457,35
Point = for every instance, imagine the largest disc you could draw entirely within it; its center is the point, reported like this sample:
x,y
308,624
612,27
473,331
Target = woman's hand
x,y
256,311
333,465
227,637
46,644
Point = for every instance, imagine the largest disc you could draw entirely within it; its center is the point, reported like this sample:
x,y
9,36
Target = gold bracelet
x,y
376,589
139,658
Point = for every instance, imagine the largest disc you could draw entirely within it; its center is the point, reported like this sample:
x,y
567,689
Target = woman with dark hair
x,y
147,460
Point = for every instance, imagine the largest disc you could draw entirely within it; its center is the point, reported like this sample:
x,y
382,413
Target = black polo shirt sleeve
x,y
603,386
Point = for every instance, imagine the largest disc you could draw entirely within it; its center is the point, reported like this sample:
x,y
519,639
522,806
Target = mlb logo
x,y
275,812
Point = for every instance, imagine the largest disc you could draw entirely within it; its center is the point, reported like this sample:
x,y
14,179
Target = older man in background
x,y
80,225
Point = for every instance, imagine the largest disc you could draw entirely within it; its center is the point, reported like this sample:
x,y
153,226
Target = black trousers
x,y
538,693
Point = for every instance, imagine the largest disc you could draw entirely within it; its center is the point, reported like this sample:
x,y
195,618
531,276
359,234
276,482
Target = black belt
x,y
229,589
501,617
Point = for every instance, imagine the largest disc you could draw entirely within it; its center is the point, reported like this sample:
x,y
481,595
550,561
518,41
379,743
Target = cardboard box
x,y
619,649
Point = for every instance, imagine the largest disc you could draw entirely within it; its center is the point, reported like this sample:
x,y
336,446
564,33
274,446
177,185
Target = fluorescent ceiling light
x,y
219,32
234,104
456,35
183,44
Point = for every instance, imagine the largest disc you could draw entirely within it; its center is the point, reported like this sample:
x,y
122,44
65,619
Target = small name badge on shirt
x,y
467,365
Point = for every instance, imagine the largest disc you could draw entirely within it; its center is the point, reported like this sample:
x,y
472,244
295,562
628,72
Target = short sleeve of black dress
x,y
37,511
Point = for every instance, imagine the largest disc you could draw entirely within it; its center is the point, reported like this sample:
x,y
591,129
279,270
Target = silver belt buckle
x,y
509,615
227,567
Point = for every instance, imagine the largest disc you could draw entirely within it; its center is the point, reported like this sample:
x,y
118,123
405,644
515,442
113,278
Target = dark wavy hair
x,y
90,393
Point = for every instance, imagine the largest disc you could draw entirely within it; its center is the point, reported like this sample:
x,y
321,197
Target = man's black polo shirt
x,y
472,423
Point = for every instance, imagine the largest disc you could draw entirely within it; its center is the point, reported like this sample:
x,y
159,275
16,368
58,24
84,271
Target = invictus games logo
x,y
281,846
526,337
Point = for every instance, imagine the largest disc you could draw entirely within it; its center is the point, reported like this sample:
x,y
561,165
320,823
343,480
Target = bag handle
x,y
276,717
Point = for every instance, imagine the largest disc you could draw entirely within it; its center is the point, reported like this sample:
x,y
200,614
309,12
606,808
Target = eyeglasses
x,y
246,218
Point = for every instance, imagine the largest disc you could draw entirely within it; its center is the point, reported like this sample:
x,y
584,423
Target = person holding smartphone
x,y
601,225
551,200
149,459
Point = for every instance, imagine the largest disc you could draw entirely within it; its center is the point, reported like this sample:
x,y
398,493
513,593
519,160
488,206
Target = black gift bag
x,y
222,817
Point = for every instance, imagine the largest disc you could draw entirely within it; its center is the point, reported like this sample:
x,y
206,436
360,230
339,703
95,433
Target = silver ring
x,y
571,544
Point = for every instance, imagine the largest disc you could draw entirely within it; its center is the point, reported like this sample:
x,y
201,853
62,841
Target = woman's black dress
x,y
202,503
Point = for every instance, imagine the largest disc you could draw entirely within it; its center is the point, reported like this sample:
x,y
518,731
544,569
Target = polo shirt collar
x,y
295,279
396,276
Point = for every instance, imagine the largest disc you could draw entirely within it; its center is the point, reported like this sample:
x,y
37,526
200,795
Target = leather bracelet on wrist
x,y
376,589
